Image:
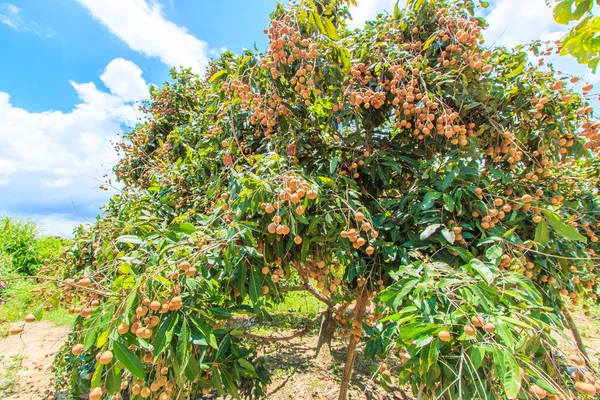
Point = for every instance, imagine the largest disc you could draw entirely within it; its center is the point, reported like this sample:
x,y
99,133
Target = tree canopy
x,y
446,191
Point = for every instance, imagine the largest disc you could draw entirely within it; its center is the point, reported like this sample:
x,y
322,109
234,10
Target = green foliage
x,y
582,41
403,162
23,249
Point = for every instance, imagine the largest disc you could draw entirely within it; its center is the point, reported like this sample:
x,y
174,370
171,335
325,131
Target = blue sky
x,y
73,70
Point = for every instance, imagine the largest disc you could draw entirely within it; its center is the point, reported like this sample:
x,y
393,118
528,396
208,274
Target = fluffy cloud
x,y
54,161
368,9
124,79
10,15
142,25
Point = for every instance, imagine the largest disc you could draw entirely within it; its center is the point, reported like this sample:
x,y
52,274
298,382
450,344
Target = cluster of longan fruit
x,y
294,190
351,168
320,271
355,235
469,329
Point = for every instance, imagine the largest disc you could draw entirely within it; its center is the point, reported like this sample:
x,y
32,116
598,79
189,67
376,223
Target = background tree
x,y
447,192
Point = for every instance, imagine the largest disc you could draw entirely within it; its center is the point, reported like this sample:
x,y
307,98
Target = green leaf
x,y
396,10
165,333
508,372
561,228
218,75
449,235
541,233
113,380
96,380
330,29
462,253
129,360
494,252
333,164
483,270
477,353
102,338
430,230
562,12
429,41
255,286
247,367
183,344
131,239
448,202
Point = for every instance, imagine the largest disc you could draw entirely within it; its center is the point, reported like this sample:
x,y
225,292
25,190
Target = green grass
x,y
9,380
23,249
21,300
299,302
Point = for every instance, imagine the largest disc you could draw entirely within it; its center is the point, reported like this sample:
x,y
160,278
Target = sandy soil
x,y
295,374
33,350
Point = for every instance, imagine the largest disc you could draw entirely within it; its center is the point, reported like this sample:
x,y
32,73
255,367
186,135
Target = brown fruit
x,y
298,240
311,194
176,303
191,271
184,265
105,357
470,330
155,305
369,250
84,282
585,388
29,318
16,329
477,321
445,336
77,349
145,392
489,327
578,360
96,393
359,216
265,289
538,392
123,329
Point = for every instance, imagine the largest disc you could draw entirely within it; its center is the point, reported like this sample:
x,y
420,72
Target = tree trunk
x,y
577,337
326,333
359,310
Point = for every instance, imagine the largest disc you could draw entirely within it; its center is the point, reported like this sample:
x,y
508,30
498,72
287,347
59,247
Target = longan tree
x,y
443,192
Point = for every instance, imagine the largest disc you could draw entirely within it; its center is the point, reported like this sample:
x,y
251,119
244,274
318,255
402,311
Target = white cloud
x,y
367,10
532,21
62,182
10,15
142,25
515,22
58,224
124,78
52,161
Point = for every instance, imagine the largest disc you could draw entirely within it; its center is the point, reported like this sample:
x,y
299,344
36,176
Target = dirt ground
x,y
296,375
25,362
